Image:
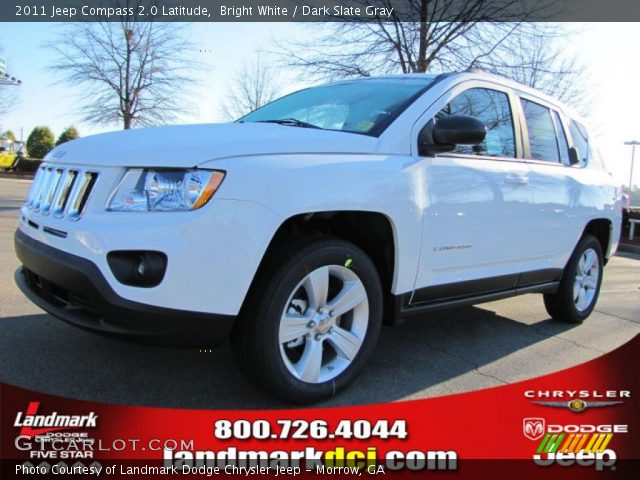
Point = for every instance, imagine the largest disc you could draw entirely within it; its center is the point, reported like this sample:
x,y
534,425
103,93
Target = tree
x,y
131,72
446,35
9,135
533,56
253,86
40,142
70,133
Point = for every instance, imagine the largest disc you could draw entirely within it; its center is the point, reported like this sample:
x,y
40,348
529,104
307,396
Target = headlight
x,y
164,190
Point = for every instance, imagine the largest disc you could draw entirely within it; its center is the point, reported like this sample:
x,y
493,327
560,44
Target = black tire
x,y
255,338
561,306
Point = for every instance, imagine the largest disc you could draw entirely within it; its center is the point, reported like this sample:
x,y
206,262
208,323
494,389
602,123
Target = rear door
x,y
555,192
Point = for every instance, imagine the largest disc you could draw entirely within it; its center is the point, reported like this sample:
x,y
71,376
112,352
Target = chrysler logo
x,y
577,405
533,428
58,154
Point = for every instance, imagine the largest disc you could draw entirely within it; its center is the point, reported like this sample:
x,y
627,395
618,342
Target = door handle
x,y
516,179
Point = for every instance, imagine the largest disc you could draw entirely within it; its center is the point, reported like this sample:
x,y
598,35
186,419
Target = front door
x,y
477,199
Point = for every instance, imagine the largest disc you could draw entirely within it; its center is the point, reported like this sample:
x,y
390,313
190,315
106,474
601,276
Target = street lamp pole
x,y
633,144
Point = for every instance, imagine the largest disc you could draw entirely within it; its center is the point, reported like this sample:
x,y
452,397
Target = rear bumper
x,y
73,289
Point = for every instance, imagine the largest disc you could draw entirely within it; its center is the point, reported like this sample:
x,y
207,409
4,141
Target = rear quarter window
x,y
581,142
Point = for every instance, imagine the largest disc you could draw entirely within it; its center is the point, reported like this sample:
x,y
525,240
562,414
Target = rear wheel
x,y
311,321
580,285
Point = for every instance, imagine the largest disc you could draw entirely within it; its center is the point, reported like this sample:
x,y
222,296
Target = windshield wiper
x,y
293,122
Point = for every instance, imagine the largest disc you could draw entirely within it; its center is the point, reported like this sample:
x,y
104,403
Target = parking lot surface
x,y
440,353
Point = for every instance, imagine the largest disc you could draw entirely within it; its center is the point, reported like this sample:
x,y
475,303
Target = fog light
x,y
138,268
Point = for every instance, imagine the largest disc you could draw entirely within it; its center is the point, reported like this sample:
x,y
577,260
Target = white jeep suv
x,y
297,230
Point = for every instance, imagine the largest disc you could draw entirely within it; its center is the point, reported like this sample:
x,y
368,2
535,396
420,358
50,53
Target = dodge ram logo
x,y
533,428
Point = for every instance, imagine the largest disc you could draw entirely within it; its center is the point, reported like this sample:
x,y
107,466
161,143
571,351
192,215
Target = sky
x,y
609,51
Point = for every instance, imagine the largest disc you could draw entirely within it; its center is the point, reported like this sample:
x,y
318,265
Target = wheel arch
x,y
373,232
602,229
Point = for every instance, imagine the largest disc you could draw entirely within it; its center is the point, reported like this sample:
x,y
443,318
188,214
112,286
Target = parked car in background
x,y
297,230
626,208
10,153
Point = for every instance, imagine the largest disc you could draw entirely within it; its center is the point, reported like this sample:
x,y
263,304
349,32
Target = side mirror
x,y
443,134
574,158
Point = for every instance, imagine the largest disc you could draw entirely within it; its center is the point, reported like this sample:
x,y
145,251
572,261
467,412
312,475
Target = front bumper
x,y
73,289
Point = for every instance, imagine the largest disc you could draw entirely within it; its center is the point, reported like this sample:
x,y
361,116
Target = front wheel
x,y
580,285
311,320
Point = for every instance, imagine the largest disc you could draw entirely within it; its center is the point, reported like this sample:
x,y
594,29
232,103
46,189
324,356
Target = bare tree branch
x,y
539,62
131,72
448,35
253,86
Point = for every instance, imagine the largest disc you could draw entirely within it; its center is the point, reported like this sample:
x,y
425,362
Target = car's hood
x,y
191,145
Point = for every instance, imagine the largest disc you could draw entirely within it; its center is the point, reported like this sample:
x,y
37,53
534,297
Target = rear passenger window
x,y
491,108
563,145
542,132
580,141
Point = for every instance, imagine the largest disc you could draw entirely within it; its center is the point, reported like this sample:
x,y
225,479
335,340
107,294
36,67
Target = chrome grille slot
x,y
43,187
61,191
81,195
35,187
56,175
61,200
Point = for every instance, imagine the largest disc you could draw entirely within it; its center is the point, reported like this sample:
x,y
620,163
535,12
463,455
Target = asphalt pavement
x,y
436,354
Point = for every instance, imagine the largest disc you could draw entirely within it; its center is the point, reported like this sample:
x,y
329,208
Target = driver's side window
x,y
491,108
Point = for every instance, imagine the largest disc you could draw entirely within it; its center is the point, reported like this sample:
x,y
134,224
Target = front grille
x,y
59,191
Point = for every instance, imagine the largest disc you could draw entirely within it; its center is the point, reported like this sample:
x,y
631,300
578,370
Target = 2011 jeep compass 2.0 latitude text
x,y
297,230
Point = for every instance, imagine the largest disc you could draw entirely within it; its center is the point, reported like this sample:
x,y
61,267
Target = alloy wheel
x,y
324,324
586,280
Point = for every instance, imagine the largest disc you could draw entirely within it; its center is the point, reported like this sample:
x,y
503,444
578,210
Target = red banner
x,y
581,421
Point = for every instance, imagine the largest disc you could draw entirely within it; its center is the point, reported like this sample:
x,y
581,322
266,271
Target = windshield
x,y
363,106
